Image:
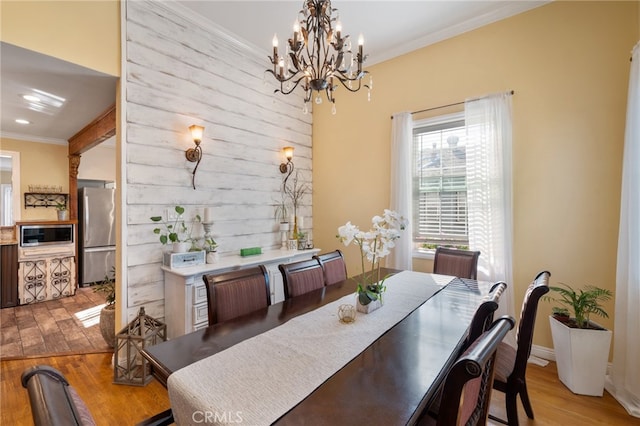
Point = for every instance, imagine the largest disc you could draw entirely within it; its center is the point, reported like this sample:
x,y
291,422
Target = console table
x,y
185,295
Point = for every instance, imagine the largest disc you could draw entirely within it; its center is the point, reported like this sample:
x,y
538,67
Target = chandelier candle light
x,y
318,57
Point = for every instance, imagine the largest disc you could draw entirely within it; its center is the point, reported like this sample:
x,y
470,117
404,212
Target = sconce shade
x,y
288,152
196,132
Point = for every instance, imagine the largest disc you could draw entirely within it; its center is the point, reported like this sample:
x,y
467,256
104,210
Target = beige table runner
x,y
258,380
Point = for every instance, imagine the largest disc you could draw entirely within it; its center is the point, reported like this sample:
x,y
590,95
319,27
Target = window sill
x,y
423,254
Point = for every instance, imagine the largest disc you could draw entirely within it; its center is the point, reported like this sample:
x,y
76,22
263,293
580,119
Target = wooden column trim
x,y
100,129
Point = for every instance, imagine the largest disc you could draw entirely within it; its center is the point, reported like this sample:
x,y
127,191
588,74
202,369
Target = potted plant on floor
x,y
108,313
581,346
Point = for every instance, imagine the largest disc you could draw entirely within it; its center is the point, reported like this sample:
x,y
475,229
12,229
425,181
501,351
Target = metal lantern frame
x,y
129,366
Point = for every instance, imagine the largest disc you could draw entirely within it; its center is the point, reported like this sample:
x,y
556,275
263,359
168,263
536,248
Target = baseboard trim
x,y
543,352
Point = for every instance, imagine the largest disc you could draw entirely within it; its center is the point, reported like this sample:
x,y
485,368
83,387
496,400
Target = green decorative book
x,y
250,251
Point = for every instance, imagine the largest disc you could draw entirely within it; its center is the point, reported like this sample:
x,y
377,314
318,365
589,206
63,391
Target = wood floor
x,y
110,404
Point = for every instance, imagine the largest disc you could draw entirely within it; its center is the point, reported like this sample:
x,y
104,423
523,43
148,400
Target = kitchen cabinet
x,y
9,275
185,296
47,278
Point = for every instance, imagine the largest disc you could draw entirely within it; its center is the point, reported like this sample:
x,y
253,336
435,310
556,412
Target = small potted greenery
x,y
63,213
108,314
211,248
581,346
175,232
302,240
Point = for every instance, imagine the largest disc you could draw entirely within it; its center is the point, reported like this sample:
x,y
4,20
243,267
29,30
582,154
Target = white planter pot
x,y
581,357
212,257
181,247
372,306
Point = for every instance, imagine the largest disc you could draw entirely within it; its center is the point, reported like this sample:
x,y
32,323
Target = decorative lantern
x,y
130,367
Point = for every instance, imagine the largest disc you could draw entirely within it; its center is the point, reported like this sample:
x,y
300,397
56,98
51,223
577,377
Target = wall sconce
x,y
288,166
194,155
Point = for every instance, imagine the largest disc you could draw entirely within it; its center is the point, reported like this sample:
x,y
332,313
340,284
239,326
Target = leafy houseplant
x,y
581,347
108,313
374,246
581,303
63,214
175,231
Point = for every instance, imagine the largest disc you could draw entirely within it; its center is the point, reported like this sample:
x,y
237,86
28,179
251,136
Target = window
x,y
440,183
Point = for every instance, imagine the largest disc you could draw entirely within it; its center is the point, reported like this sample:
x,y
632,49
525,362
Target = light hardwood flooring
x,y
111,404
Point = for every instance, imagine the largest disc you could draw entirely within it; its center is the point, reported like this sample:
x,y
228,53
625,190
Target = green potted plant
x,y
302,240
581,346
63,213
211,248
175,231
108,313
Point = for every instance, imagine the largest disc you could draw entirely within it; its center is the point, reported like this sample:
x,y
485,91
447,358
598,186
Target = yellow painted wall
x,y
83,32
568,63
40,164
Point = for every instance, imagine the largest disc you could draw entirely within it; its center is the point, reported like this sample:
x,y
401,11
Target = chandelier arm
x,y
284,80
360,85
285,92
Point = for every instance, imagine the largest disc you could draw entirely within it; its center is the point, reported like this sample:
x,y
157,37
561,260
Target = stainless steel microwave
x,y
43,235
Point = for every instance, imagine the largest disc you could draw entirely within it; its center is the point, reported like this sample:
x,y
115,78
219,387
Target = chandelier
x,y
319,57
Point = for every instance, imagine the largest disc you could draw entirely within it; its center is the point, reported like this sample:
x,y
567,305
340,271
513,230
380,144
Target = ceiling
x,y
390,29
86,94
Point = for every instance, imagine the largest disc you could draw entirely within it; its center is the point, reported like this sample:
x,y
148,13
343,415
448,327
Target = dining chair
x,y
456,262
466,392
483,318
481,321
301,277
511,363
333,267
236,293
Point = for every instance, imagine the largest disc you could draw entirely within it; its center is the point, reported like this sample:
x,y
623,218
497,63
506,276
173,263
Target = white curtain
x,y
624,380
489,192
400,197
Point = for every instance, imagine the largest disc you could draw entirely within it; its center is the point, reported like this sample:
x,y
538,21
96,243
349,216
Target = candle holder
x,y
284,229
209,243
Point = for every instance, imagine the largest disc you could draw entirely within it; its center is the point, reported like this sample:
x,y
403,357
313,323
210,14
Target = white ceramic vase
x,y
181,247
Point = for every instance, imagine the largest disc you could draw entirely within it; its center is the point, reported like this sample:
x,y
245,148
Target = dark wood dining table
x,y
410,360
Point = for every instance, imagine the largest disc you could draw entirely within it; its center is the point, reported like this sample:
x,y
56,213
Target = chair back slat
x,y
301,277
456,262
236,293
333,267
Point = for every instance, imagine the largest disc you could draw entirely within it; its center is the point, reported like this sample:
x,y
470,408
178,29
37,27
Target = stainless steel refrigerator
x,y
96,234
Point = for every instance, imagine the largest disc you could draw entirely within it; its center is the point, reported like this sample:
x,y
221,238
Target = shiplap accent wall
x,y
179,72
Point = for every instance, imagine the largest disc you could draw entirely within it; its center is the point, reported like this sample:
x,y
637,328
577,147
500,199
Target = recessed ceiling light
x,y
31,98
22,121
